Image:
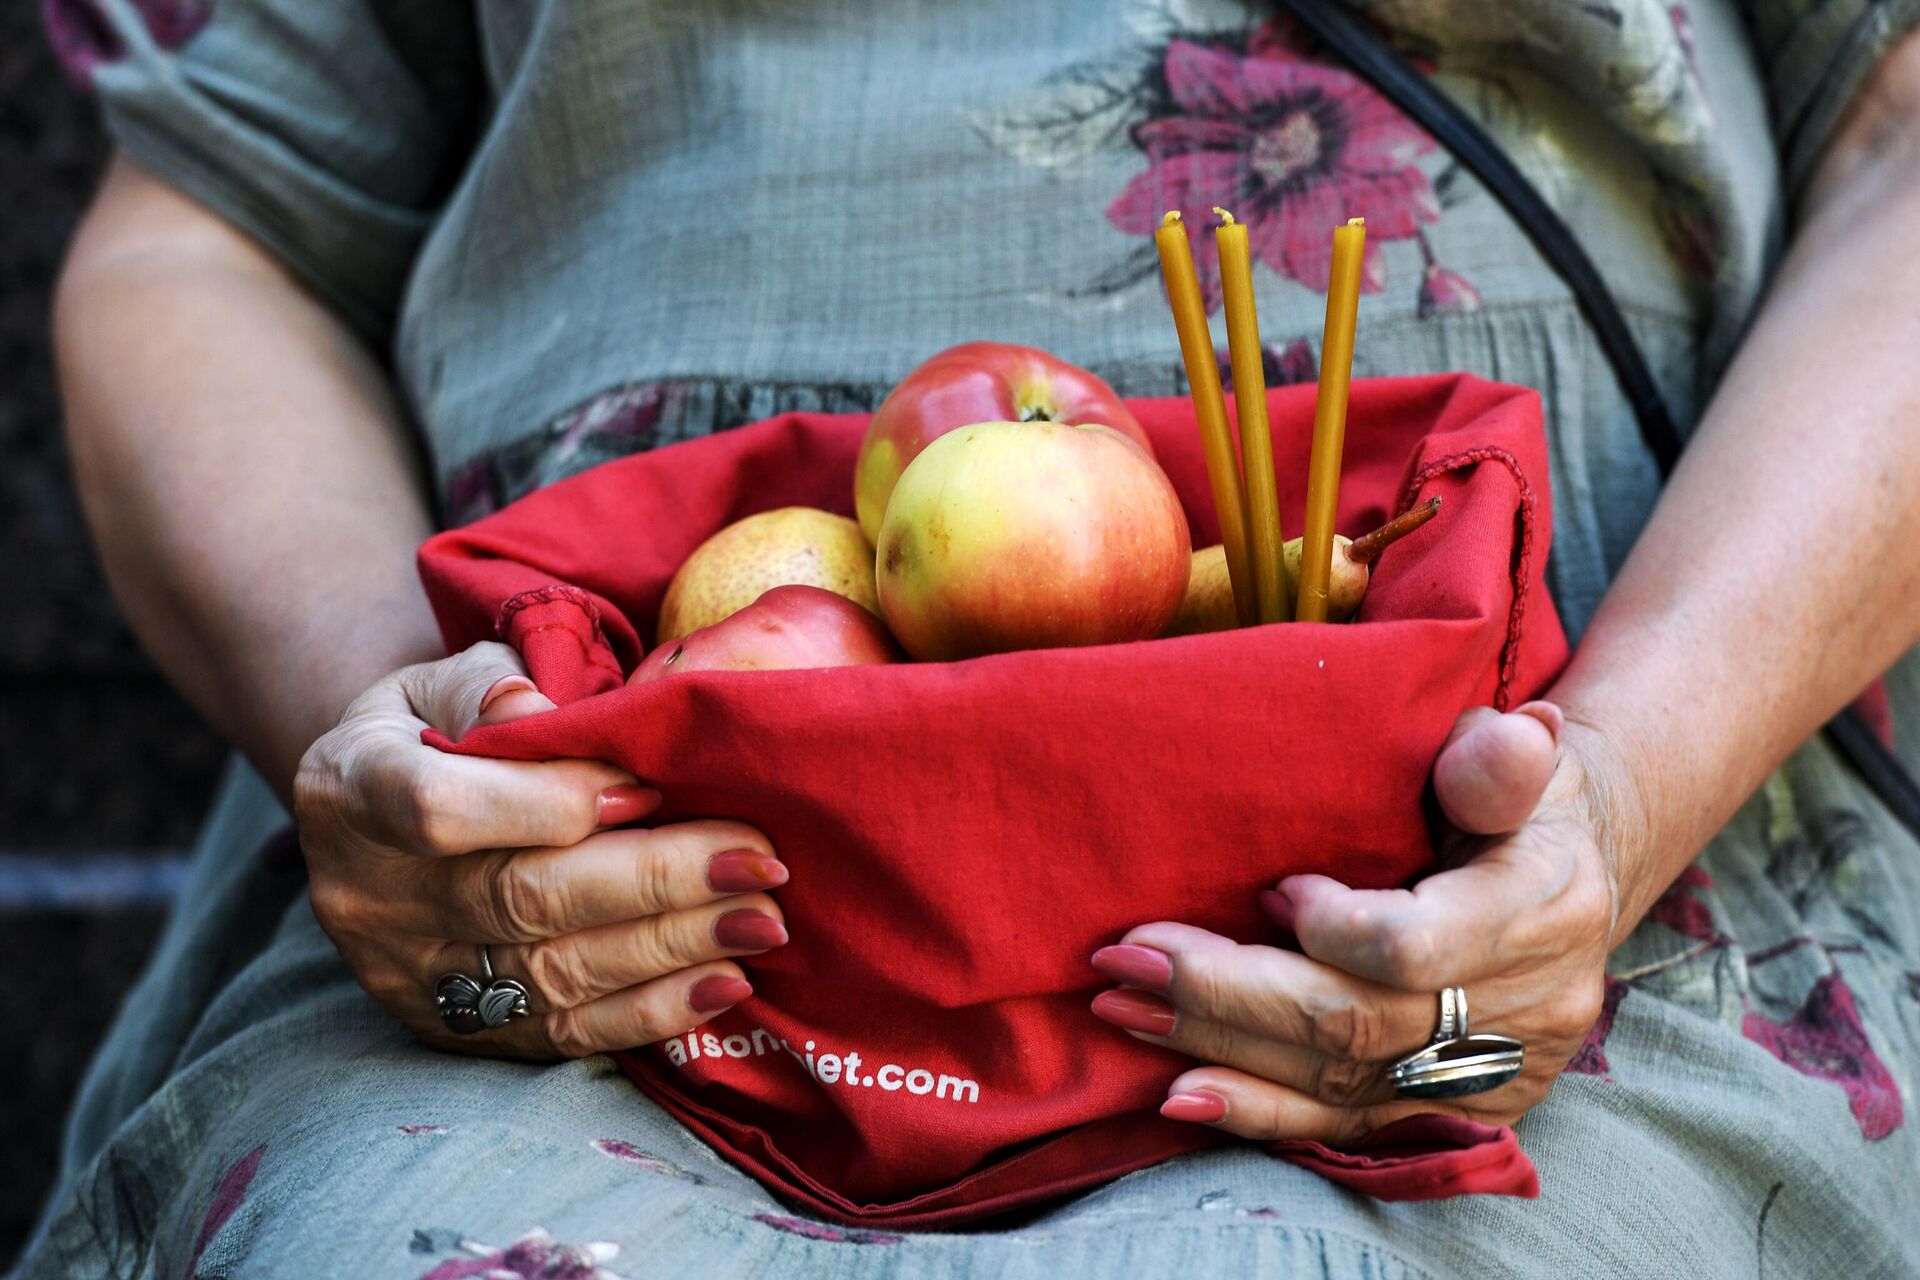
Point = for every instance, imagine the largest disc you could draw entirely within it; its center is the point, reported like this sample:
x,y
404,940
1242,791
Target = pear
x,y
793,546
1353,558
1208,603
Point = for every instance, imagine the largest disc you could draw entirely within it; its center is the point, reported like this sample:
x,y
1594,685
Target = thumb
x,y
1494,767
485,684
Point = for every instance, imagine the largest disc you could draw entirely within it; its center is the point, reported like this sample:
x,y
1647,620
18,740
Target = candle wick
x,y
1224,215
1170,217
1356,222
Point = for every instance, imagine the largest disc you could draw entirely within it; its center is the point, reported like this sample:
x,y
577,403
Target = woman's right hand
x,y
415,857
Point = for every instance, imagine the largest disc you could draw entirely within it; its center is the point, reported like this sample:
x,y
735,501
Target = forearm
x,y
1775,578
244,471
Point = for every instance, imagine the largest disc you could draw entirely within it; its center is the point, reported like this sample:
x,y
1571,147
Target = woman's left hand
x,y
1299,1043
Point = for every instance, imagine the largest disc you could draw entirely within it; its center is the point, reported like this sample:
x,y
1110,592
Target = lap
x,y
1739,1109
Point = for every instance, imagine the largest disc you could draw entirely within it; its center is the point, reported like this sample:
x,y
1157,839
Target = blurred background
x,y
103,771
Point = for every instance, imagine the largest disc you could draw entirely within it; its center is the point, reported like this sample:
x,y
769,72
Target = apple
x,y
1208,604
798,546
1030,535
787,628
975,382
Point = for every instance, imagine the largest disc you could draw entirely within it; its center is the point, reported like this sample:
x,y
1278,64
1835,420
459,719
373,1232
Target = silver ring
x,y
468,1005
1457,1063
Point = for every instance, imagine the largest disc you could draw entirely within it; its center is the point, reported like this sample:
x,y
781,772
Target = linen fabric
x,y
580,230
941,819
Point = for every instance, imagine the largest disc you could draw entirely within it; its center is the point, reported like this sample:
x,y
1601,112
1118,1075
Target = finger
x,y
453,695
1278,996
511,698
578,968
645,1014
1265,1111
1494,768
1490,916
522,895
1341,1081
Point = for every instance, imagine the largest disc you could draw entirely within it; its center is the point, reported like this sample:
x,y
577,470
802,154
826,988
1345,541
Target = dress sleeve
x,y
328,130
1816,54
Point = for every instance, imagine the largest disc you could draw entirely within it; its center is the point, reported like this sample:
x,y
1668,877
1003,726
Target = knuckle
x,y
435,806
657,870
1574,1011
567,1031
1202,984
676,942
1340,1081
1406,957
1349,1029
525,900
336,906
557,973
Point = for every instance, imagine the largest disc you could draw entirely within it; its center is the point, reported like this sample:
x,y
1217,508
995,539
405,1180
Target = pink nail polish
x,y
501,687
621,805
745,871
1137,966
716,992
1277,907
749,930
1199,1108
1135,1011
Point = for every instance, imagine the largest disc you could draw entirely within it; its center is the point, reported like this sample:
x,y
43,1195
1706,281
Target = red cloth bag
x,y
962,836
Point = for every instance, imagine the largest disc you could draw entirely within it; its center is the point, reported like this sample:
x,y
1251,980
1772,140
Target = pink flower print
x,y
1876,710
1685,914
1591,1058
626,1153
83,38
822,1231
1292,148
473,491
1825,1039
1444,290
534,1256
227,1197
1441,289
1282,366
629,413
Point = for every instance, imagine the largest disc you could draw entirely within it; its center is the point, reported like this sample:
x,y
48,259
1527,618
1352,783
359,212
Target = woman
x,y
577,230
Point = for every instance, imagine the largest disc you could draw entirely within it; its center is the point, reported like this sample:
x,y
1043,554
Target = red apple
x,y
1031,535
787,628
975,382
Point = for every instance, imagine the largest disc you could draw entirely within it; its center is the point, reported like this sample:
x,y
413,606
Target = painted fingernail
x,y
1135,1011
1199,1108
502,687
1135,965
1277,907
745,871
749,930
621,805
716,992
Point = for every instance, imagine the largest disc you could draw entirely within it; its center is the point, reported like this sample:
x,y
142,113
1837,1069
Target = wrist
x,y
1614,797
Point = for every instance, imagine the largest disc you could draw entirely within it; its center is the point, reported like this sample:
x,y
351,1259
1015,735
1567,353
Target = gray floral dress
x,y
585,227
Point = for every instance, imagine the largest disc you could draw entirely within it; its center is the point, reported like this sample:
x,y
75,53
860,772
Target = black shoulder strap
x,y
1440,116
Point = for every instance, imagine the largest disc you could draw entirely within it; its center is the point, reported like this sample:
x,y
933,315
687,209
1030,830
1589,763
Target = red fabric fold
x,y
963,836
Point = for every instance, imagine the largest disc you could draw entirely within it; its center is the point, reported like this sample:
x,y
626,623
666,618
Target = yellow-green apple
x,y
1030,535
1208,603
793,546
975,382
787,628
